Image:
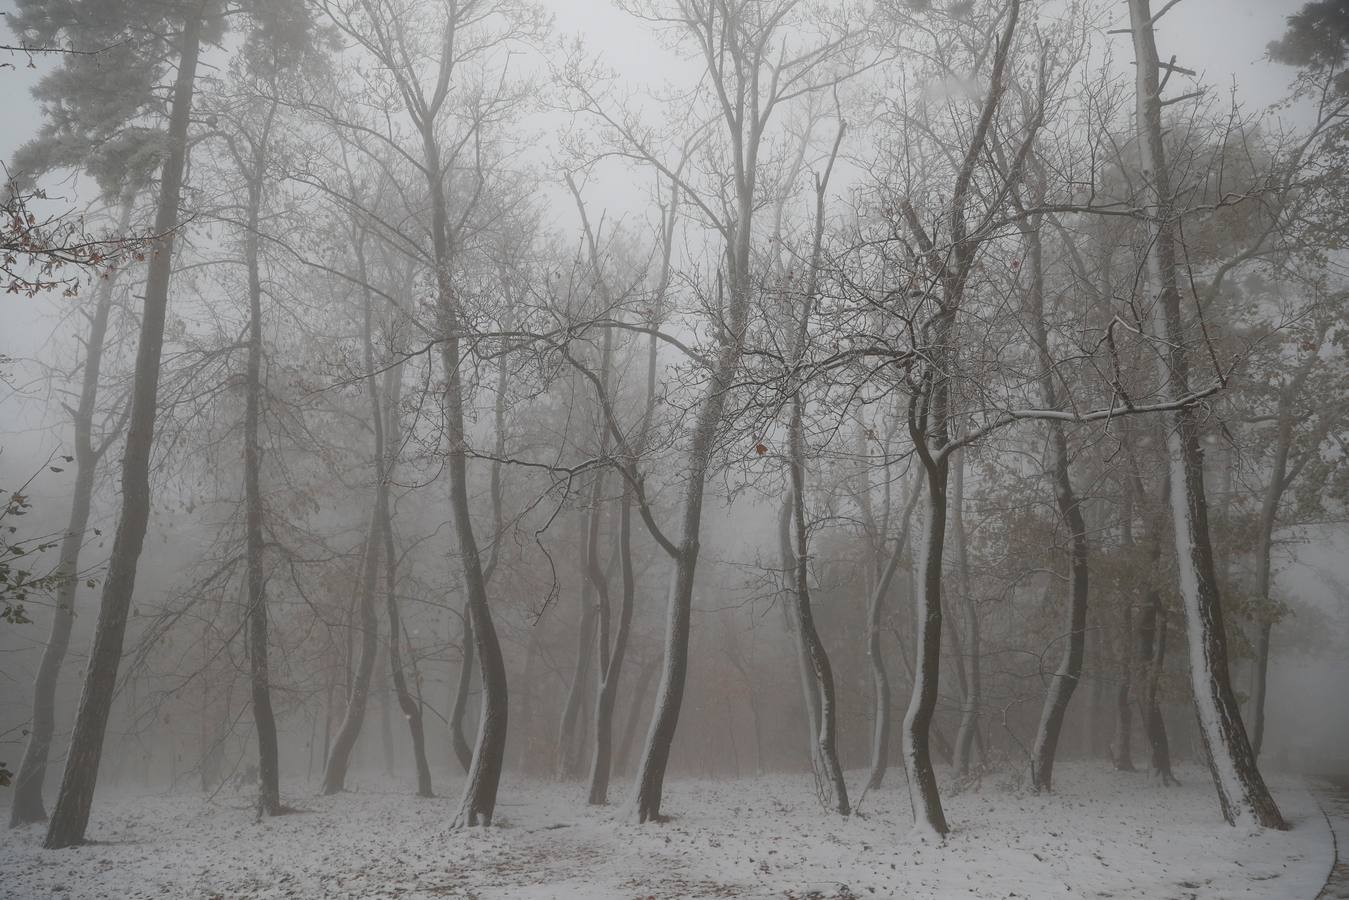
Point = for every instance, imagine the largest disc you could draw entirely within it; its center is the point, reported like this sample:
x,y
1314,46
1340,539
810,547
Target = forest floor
x,y
1101,834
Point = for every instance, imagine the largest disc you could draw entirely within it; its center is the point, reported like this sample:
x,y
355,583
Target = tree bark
x,y
1242,793
70,816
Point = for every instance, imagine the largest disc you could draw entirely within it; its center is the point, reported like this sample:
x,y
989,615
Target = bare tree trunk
x,y
489,751
826,738
880,680
1069,672
358,695
409,705
968,732
70,816
27,803
269,776
810,695
568,761
612,665
1242,793
1121,743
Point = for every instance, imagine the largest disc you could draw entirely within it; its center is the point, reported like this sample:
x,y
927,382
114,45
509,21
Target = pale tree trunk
x,y
27,803
70,816
1242,793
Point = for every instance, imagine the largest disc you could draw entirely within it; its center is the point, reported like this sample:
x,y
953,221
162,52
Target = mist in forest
x,y
703,447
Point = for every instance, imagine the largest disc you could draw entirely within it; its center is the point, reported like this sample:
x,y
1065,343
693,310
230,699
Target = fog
x,y
689,448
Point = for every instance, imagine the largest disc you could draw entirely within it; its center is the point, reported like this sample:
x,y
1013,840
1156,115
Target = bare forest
x,y
674,448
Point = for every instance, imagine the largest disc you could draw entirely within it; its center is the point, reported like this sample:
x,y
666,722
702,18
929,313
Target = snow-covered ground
x,y
1101,834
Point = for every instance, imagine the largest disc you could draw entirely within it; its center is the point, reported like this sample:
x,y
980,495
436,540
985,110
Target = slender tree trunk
x,y
1069,672
612,662
70,816
923,794
880,680
827,737
489,750
568,764
810,694
27,803
409,705
358,696
1121,743
1242,793
971,696
259,672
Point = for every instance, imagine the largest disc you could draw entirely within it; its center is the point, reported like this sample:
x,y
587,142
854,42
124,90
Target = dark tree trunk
x,y
27,803
489,751
70,816
1242,793
259,672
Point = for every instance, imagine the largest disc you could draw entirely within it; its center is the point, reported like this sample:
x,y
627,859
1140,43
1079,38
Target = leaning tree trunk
x,y
259,671
1242,792
1069,671
70,816
27,805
